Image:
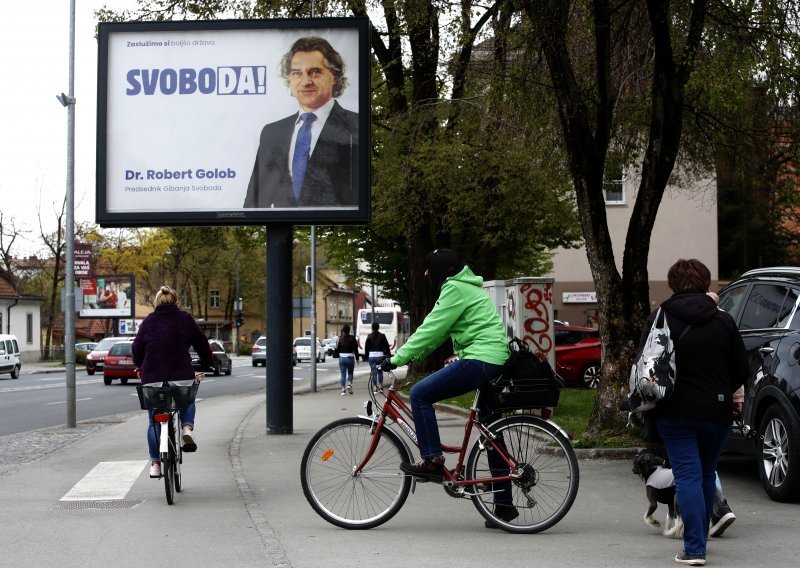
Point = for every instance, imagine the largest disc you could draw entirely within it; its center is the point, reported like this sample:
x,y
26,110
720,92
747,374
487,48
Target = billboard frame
x,y
234,214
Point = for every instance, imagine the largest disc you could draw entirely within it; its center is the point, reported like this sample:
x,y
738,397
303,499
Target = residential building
x,y
19,315
686,227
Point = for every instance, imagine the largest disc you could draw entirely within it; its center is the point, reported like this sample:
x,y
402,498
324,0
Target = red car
x,y
119,364
578,355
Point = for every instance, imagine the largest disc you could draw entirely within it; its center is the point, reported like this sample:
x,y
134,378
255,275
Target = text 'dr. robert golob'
x,y
164,173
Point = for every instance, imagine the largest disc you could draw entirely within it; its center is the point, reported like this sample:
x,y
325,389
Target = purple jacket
x,y
161,346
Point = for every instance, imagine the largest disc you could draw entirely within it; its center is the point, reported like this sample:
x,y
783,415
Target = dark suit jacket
x,y
332,176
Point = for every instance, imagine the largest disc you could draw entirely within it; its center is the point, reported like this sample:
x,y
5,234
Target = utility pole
x,y
238,305
314,307
68,101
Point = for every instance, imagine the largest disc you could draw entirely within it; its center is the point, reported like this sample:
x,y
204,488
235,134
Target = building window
x,y
215,299
29,328
614,185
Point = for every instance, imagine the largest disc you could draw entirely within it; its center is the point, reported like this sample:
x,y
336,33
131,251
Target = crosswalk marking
x,y
106,481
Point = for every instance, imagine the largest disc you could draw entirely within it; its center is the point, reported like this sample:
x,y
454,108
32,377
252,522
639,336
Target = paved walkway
x,y
242,505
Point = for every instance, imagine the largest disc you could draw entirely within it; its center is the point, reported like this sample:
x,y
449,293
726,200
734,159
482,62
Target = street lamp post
x,y
69,269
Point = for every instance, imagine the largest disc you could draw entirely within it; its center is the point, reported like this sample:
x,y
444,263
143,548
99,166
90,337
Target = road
x,y
38,400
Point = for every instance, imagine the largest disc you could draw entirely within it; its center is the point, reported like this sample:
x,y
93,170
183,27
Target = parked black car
x,y
222,362
766,306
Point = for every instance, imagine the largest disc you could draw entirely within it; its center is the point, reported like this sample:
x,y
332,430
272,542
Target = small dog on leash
x,y
660,485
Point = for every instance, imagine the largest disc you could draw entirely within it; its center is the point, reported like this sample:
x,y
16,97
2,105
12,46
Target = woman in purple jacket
x,y
161,351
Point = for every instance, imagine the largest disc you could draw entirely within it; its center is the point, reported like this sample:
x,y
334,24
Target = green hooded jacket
x,y
465,312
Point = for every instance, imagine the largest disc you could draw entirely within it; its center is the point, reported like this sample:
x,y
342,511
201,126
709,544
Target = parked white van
x,y
9,355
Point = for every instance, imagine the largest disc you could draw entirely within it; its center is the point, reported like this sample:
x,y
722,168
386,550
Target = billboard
x,y
82,255
108,297
233,122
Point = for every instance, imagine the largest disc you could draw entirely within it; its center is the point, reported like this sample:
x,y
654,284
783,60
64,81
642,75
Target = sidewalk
x,y
242,505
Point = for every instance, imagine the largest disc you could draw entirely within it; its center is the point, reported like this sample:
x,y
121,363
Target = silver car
x,y
259,352
302,346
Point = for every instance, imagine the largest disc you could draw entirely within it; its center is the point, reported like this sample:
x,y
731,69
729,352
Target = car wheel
x,y
124,381
15,373
106,380
591,376
778,459
89,371
255,363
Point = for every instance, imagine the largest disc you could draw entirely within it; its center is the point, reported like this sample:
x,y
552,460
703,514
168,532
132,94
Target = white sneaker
x,y
350,388
155,469
189,444
343,392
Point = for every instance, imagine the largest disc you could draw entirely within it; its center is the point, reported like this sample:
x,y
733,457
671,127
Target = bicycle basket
x,y
527,382
166,396
520,394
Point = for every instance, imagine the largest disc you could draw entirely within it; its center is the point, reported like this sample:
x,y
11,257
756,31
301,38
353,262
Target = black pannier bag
x,y
526,382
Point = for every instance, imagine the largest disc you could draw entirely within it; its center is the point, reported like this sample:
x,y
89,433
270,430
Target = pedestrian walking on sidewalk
x,y
161,351
376,347
711,364
347,352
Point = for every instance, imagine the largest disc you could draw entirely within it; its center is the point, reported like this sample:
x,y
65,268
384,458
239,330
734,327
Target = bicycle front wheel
x,y
355,501
548,483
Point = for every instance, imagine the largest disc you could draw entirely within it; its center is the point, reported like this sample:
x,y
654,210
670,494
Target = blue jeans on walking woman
x,y
375,370
693,447
346,366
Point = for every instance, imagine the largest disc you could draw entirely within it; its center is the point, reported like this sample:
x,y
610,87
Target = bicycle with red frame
x,y
350,471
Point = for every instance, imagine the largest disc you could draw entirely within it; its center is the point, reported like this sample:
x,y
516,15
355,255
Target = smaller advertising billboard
x,y
83,259
108,296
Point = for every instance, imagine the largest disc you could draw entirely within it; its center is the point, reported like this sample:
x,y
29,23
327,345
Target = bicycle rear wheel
x,y
178,453
350,501
544,492
168,463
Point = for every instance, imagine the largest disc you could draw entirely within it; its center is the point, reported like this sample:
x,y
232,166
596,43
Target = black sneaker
x,y
719,525
505,511
689,560
426,469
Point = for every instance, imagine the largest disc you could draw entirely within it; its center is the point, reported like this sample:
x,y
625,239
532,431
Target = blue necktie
x,y
302,148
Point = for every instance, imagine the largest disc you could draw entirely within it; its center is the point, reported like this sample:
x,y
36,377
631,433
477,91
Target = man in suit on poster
x,y
309,159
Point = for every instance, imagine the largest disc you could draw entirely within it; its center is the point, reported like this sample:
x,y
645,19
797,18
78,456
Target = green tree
x,y
655,59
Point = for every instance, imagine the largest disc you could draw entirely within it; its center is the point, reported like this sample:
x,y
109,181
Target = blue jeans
x,y
375,370
459,377
346,366
187,419
693,447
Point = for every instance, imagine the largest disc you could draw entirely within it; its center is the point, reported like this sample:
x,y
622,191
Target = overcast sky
x,y
34,54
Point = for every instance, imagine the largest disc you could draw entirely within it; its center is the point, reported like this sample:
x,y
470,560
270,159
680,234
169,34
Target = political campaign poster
x,y
109,296
233,122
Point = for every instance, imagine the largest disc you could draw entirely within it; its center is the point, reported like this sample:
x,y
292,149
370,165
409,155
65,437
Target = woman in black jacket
x,y
376,347
347,352
710,365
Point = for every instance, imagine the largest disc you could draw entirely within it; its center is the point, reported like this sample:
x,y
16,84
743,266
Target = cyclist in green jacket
x,y
464,313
